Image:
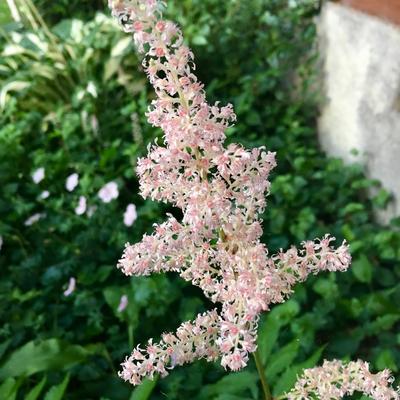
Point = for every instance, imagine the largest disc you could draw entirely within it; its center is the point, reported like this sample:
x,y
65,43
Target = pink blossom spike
x,y
221,191
335,380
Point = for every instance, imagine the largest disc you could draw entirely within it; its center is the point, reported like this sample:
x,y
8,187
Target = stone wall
x,y
361,56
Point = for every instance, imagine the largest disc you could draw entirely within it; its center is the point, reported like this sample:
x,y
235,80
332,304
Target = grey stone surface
x,y
361,68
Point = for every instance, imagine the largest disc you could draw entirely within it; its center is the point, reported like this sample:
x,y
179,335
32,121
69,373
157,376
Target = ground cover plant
x,y
49,339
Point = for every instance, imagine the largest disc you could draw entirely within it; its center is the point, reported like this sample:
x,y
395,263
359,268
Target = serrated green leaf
x,y
282,359
269,329
268,334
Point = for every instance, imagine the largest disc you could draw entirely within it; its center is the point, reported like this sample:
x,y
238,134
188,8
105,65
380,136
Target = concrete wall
x,y
361,56
388,10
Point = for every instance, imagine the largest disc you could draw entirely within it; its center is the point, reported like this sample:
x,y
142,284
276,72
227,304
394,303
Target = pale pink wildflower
x,y
123,303
335,380
81,207
108,192
44,195
72,182
33,219
130,215
38,175
71,287
221,191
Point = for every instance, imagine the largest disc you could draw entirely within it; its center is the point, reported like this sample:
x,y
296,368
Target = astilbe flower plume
x,y
335,379
221,191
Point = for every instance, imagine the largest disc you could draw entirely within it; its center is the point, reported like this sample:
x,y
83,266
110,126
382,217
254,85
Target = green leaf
x,y
289,377
268,334
362,269
144,391
13,49
121,46
15,86
282,359
269,329
57,392
8,390
385,360
382,198
35,392
69,28
232,384
4,347
113,296
51,354
327,288
199,40
381,323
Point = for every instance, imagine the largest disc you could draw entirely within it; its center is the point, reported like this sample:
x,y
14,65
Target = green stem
x,y
130,336
260,369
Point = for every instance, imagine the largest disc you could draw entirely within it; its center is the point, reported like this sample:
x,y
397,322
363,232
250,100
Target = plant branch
x,y
260,369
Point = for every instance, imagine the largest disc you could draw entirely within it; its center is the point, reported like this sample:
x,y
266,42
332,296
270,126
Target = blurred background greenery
x,y
72,99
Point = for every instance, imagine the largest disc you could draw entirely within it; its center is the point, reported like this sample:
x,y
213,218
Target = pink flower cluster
x,y
334,380
221,191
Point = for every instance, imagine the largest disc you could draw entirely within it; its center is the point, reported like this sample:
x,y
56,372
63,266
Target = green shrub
x,y
253,54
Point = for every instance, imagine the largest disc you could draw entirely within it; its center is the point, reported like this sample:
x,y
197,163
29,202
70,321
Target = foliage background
x,y
257,56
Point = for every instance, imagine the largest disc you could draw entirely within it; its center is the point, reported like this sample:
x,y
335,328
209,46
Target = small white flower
x,y
108,192
71,287
72,182
81,208
33,219
44,195
123,303
1,242
38,175
130,215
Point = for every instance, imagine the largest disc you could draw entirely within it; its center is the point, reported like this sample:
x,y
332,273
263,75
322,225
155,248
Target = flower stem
x,y
260,369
